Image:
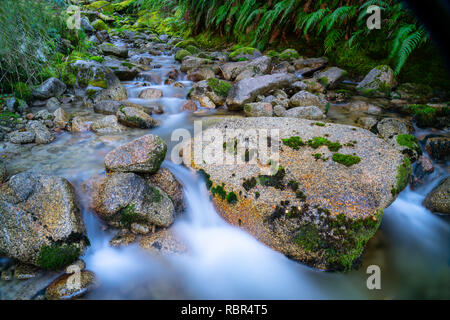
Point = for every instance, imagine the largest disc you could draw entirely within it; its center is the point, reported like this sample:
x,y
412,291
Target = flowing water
x,y
222,261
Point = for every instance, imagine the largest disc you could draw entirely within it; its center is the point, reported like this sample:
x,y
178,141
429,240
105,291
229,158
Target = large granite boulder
x,y
246,91
41,222
142,155
322,203
134,117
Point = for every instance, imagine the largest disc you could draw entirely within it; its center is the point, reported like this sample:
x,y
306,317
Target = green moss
x,y
99,25
320,124
97,58
347,160
207,178
220,87
192,49
231,198
317,156
242,51
409,141
180,55
294,185
424,115
324,81
272,54
403,176
128,216
289,54
350,237
185,43
249,184
57,256
127,64
317,142
275,180
8,115
293,142
219,191
156,195
99,84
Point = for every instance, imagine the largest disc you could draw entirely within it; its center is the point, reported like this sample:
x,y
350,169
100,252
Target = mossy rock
x,y
289,54
103,5
247,53
99,25
220,87
424,115
99,84
192,49
179,56
185,43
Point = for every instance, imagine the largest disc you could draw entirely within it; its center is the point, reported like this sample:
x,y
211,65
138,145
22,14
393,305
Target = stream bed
x,y
412,247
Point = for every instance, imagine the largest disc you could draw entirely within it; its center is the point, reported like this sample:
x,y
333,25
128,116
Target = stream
x,y
222,261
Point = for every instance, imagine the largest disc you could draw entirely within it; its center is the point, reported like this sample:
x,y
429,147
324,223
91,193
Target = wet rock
x,y
136,118
143,155
52,87
109,49
309,112
24,271
363,106
232,69
76,266
81,124
43,115
165,180
163,242
308,206
94,74
439,199
330,77
107,107
86,25
42,134
391,127
19,137
423,168
143,58
126,198
3,172
245,53
312,63
378,82
151,93
246,91
258,109
413,92
257,67
313,86
41,221
368,123
190,63
107,125
71,286
299,86
123,238
189,106
12,104
438,148
61,119
200,74
304,99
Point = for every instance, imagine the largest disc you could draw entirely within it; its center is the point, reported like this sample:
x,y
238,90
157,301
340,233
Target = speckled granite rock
x,y
65,287
126,198
167,182
439,199
312,209
39,214
143,155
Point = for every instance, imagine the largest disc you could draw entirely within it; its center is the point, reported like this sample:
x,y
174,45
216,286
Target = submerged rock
x,y
438,200
325,200
41,222
107,125
143,155
163,242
